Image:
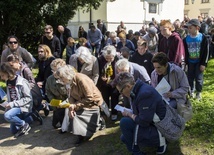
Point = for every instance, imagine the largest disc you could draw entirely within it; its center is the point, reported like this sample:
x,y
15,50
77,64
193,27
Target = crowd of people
x,y
105,68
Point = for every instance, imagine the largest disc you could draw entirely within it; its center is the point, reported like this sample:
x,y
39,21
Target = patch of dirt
x,y
42,139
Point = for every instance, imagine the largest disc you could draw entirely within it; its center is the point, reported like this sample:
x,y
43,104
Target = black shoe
x,y
23,130
46,111
36,117
62,132
80,139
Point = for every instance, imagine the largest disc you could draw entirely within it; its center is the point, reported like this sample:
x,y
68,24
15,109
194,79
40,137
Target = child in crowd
x,y
19,101
197,56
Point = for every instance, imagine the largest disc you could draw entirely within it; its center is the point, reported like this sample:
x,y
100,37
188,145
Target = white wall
x,y
131,12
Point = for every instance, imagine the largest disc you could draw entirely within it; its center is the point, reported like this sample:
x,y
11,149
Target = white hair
x,y
84,54
68,72
109,50
122,64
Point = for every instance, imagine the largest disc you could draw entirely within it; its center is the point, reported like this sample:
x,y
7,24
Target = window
x,y
186,2
152,8
205,1
204,15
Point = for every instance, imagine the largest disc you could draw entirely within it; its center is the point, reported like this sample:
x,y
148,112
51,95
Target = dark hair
x,y
12,36
12,58
5,68
160,58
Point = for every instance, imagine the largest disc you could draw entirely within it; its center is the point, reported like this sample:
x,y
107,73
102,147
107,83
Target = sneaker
x,y
36,117
192,95
161,149
113,117
102,123
23,130
198,96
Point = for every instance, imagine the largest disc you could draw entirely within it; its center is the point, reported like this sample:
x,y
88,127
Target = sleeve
x,y
95,71
25,93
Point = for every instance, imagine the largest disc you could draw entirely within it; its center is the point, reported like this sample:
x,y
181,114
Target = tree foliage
x,y
26,19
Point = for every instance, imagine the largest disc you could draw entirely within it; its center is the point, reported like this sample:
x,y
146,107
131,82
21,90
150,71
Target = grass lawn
x,y
197,139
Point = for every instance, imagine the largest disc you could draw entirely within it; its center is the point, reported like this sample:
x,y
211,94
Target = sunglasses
x,y
13,42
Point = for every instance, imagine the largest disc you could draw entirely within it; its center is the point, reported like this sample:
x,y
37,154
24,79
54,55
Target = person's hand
x,y
8,106
71,114
40,84
202,68
93,44
72,107
126,113
104,78
167,95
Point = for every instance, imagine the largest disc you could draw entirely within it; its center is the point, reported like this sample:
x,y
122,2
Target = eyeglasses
x,y
121,90
13,42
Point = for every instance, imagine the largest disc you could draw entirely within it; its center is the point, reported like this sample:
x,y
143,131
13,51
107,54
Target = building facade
x,y
195,8
134,13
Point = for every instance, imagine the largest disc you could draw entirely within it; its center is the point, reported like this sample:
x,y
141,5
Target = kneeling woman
x,y
85,99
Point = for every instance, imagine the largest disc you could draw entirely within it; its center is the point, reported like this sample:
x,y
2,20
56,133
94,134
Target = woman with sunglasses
x,y
16,49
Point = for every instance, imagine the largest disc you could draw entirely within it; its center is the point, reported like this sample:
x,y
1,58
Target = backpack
x,y
36,94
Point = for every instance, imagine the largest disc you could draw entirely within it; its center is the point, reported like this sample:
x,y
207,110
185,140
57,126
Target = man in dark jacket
x,y
63,34
51,41
137,124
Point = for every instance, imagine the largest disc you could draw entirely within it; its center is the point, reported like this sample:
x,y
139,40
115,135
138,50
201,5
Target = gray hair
x,y
124,78
84,54
122,64
113,34
68,72
109,50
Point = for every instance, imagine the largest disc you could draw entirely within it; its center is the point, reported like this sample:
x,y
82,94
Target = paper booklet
x,y
121,109
163,87
59,103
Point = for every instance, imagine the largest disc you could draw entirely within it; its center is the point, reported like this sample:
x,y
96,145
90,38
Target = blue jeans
x,y
194,74
17,118
127,126
97,49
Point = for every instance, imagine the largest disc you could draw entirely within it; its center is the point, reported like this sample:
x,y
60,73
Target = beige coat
x,y
84,93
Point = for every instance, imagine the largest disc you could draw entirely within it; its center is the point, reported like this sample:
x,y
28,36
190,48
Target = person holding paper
x,y
175,77
55,90
137,127
85,100
19,101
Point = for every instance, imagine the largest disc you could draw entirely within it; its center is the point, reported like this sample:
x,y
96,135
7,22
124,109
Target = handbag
x,y
172,125
185,109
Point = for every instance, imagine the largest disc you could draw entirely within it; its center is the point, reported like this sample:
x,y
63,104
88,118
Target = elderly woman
x,y
107,73
174,75
84,62
84,98
55,90
137,126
